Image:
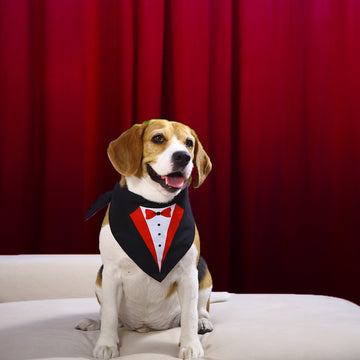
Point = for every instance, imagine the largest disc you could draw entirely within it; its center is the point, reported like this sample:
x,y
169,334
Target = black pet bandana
x,y
154,235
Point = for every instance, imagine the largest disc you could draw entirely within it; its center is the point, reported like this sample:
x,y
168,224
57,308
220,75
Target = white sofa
x,y
43,297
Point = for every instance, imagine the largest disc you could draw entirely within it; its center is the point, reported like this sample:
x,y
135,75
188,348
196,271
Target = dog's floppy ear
x,y
125,152
202,163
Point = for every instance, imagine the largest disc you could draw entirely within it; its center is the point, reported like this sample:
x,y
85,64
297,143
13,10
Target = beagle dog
x,y
153,276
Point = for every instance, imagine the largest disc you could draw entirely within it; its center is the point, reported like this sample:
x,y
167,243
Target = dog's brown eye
x,y
189,143
158,139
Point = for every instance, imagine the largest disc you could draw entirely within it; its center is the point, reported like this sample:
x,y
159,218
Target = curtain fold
x,y
272,89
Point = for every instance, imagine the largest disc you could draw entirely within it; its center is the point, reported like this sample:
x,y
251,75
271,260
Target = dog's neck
x,y
148,189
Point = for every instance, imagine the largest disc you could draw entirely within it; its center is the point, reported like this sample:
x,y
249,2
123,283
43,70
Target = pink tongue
x,y
173,181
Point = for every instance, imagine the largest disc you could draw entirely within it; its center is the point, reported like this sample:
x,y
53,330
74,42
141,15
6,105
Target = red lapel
x,y
174,224
140,223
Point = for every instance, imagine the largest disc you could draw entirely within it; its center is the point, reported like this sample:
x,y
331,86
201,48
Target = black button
x,y
159,245
158,224
159,234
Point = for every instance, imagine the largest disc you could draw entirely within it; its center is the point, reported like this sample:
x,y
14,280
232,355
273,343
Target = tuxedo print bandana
x,y
155,230
154,235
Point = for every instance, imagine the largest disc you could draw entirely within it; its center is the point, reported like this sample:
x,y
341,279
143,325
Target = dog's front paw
x,y
106,351
191,350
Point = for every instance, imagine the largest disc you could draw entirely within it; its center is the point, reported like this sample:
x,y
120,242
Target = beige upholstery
x,y
249,327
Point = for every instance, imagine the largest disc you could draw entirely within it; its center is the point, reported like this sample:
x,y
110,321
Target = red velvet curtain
x,y
271,87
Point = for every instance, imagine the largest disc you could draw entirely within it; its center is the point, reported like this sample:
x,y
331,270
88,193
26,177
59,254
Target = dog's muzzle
x,y
171,182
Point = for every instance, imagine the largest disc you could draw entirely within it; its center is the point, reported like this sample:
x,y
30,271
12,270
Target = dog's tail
x,y
217,296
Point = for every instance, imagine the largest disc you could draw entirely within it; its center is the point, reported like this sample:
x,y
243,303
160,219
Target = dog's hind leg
x,y
88,325
204,324
205,286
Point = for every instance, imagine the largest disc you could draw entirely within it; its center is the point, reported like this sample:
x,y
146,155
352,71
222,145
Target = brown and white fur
x,y
145,156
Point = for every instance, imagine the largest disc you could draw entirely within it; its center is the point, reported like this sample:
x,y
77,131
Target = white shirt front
x,y
158,227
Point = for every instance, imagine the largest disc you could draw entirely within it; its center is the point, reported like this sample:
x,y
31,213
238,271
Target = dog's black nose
x,y
181,158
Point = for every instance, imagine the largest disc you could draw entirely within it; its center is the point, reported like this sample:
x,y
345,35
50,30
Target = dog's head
x,y
157,157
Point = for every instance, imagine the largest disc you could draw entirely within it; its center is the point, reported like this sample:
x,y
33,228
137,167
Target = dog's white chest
x,y
145,303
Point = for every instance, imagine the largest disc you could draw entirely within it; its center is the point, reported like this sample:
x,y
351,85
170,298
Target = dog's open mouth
x,y
171,182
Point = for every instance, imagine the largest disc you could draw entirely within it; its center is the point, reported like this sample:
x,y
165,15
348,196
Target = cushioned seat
x,y
246,327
